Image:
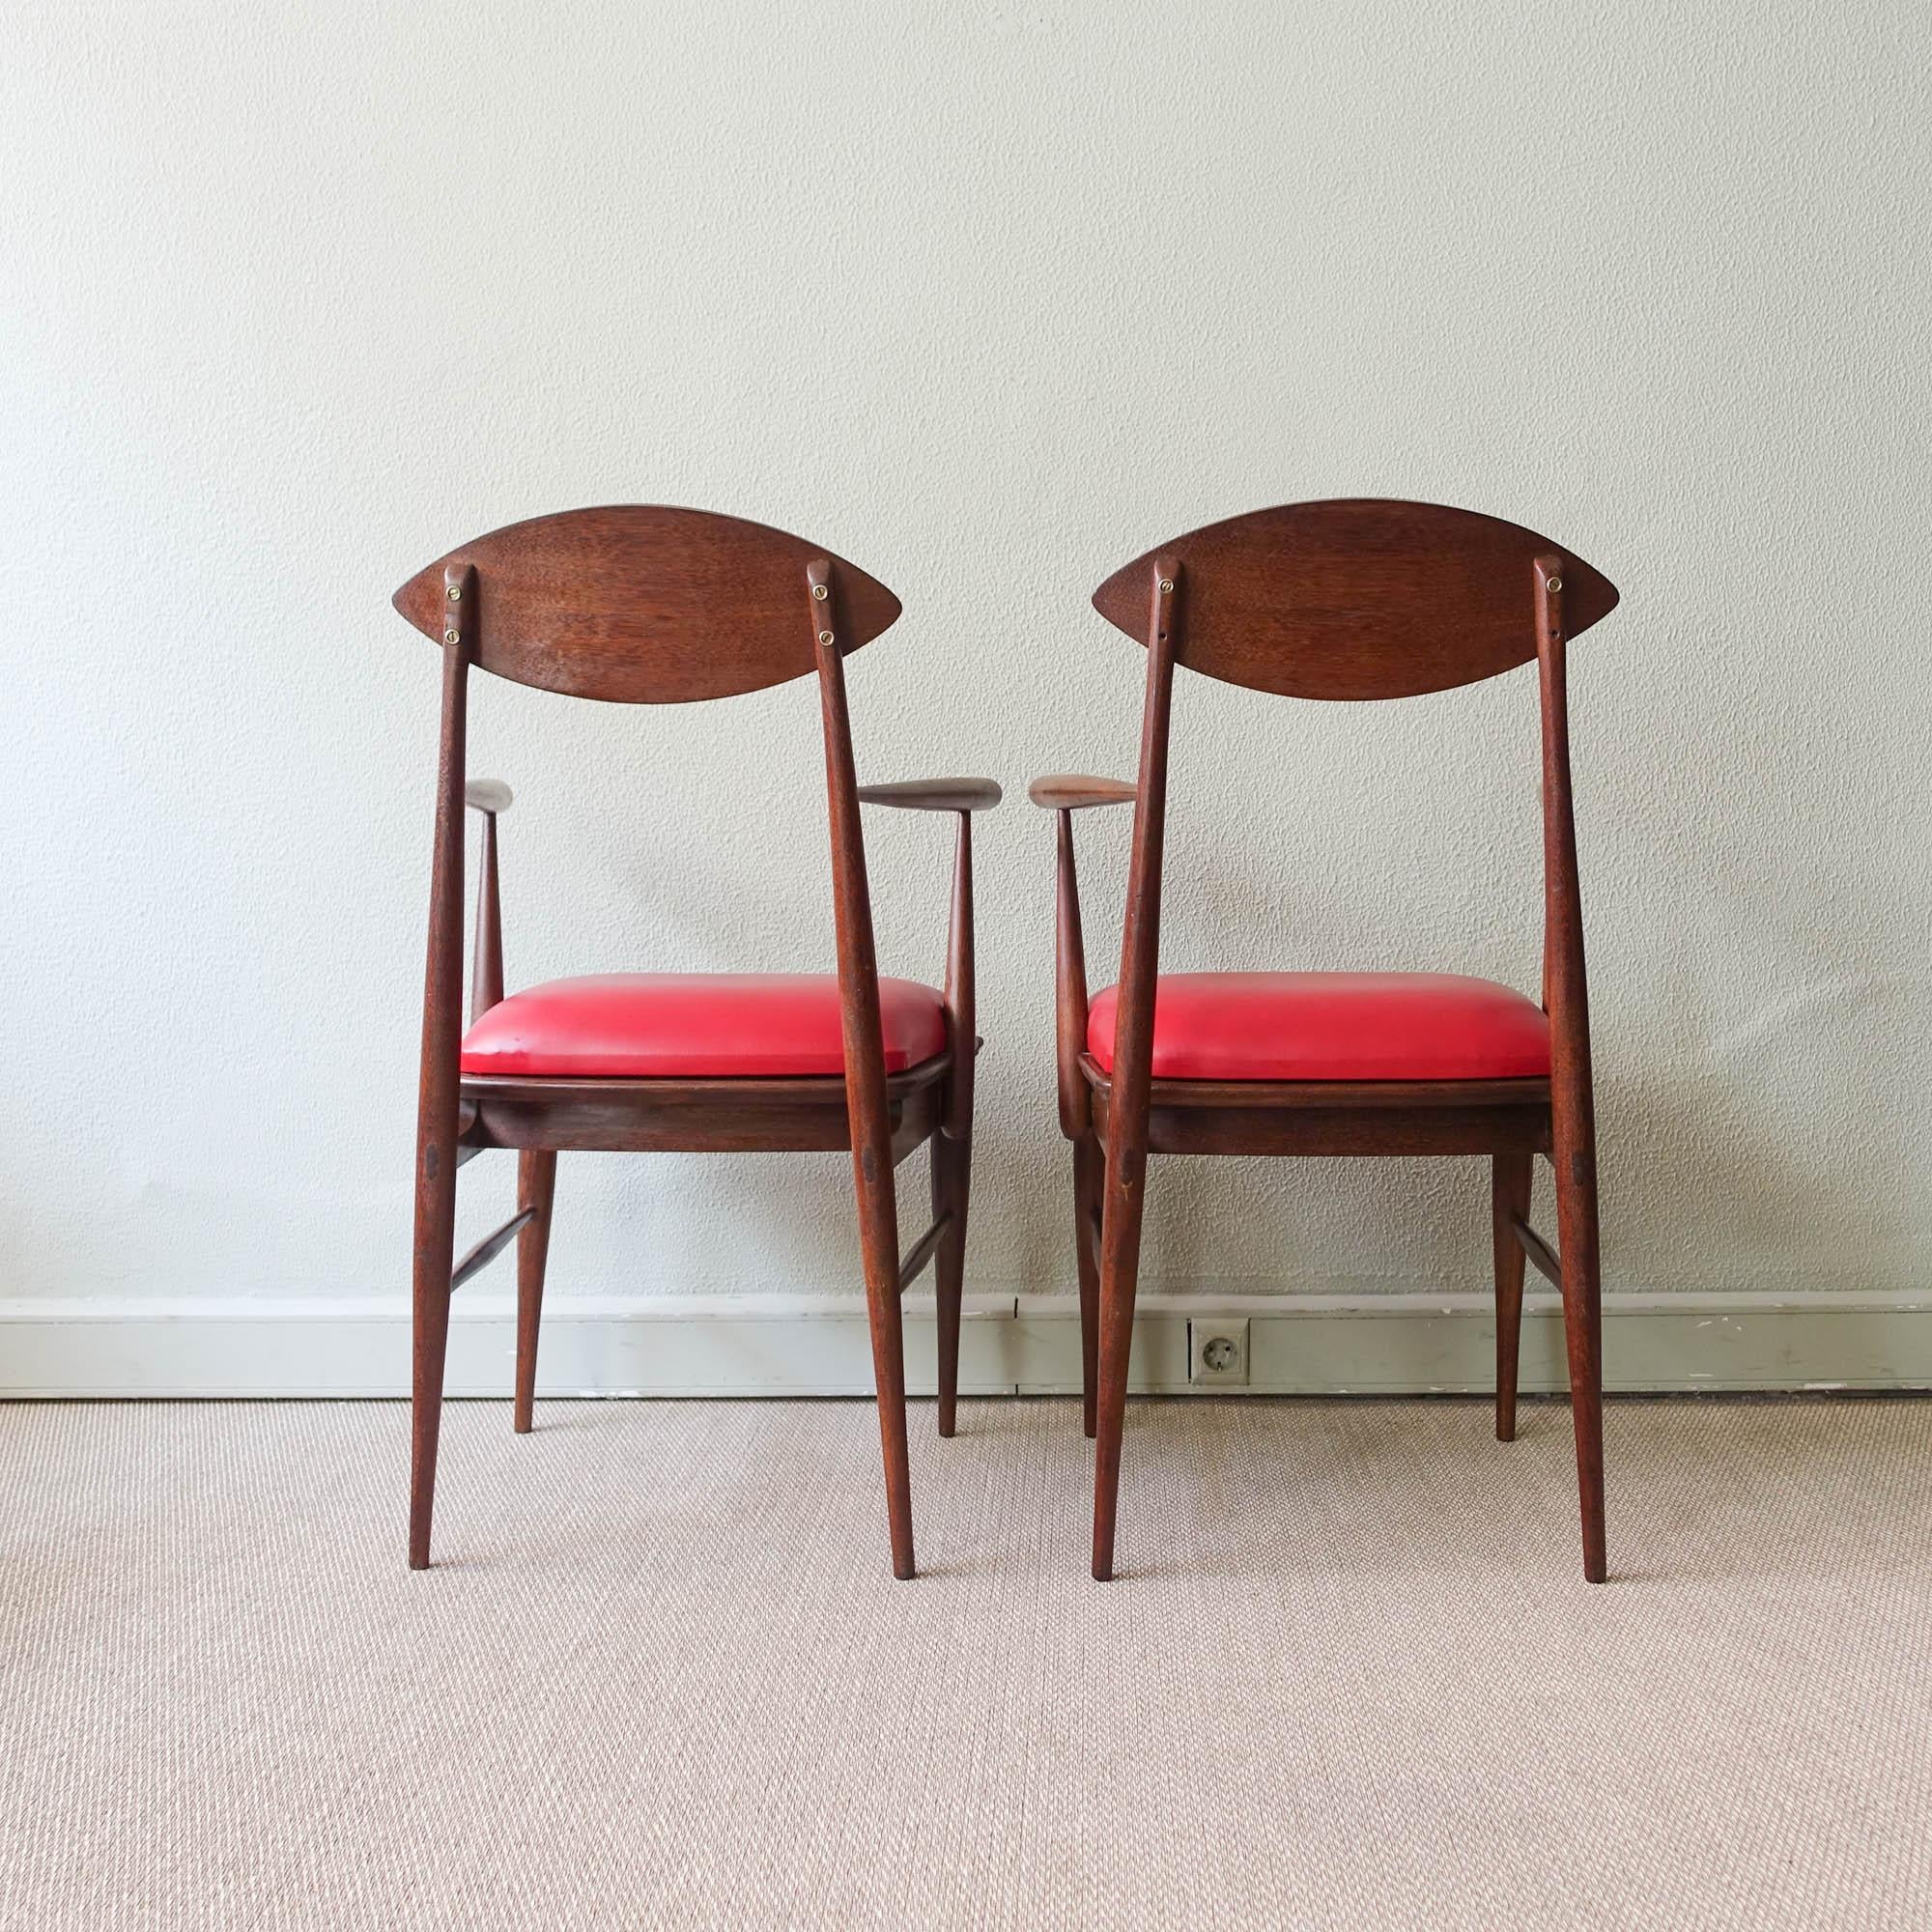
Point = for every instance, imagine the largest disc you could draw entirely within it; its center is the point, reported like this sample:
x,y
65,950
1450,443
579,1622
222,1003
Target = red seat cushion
x,y
647,1026
1334,1026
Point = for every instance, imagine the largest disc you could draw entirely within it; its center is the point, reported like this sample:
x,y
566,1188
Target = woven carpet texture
x,y
1350,1675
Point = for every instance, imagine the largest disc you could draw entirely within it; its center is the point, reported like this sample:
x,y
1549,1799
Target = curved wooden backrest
x,y
641,605
1355,599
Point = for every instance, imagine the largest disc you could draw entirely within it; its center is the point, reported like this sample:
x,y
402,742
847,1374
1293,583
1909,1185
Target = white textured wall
x,y
990,299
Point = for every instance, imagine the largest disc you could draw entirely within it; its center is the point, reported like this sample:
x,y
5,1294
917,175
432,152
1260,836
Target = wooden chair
x,y
1339,599
648,605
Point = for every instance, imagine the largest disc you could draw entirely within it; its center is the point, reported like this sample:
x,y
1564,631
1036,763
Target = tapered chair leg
x,y
1120,1273
1583,1334
434,1255
1089,1168
889,1371
1508,1198
952,1185
536,1188
878,1236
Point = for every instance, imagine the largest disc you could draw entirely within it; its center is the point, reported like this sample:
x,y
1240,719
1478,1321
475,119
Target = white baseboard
x,y
1011,1344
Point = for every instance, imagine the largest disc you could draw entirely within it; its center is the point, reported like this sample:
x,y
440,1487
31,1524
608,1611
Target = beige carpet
x,y
1351,1676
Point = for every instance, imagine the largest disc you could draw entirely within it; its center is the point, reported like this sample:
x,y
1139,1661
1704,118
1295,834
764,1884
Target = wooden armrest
x,y
489,796
934,794
1074,791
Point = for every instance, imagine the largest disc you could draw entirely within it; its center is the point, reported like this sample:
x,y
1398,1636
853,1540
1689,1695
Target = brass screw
x,y
456,593
1552,584
452,637
1167,587
821,592
825,637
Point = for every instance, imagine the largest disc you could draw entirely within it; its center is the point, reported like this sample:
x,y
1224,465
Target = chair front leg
x,y
1509,1200
536,1189
1124,1196
1090,1173
953,1140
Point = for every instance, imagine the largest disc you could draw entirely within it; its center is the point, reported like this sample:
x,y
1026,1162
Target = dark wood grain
x,y
962,994
1298,1129
1124,1187
659,606
1090,1173
823,609
952,1184
1069,975
537,1193
1074,791
933,794
1271,1095
438,1086
1573,1113
1533,1248
805,1114
490,797
917,1120
489,1248
643,605
485,968
922,1250
1509,1203
1356,599
1346,600
952,1175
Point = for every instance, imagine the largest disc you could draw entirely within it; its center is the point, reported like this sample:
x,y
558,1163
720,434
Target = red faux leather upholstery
x,y
1334,1026
647,1026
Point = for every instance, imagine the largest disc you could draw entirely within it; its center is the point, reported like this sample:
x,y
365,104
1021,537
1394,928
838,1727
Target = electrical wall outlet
x,y
1217,1352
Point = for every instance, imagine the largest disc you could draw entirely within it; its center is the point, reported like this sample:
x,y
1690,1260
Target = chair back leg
x,y
1509,1201
439,1093
1125,1181
536,1189
1583,1336
435,1258
878,1236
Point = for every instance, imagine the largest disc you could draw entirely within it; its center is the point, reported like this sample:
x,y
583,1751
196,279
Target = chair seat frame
x,y
1334,1116
714,1114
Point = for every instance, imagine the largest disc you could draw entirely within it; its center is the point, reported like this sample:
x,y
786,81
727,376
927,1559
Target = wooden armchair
x,y
1353,600
638,604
